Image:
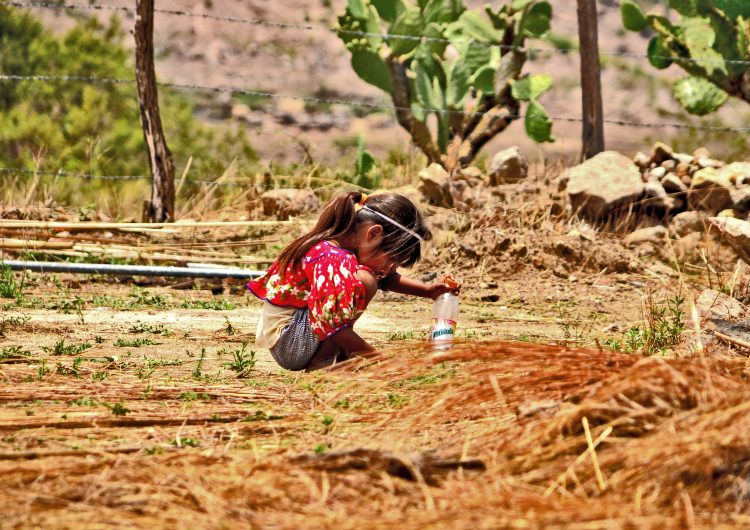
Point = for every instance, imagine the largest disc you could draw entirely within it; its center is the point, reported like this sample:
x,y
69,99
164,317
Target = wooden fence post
x,y
591,84
161,206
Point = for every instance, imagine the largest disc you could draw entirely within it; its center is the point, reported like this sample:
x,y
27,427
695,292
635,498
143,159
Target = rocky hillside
x,y
314,63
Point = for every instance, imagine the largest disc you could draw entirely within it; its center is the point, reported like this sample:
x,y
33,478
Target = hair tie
x,y
363,199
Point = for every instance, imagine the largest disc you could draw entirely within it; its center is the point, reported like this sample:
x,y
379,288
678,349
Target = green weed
x,y
242,360
14,350
198,370
9,287
157,329
136,343
60,348
215,305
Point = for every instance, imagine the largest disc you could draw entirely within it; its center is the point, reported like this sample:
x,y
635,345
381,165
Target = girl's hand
x,y
447,285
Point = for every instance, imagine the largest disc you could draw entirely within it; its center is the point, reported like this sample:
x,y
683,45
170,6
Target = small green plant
x,y
99,376
146,370
229,329
84,401
141,297
136,343
60,348
198,370
242,360
364,167
74,369
191,442
118,409
194,396
12,351
157,329
662,328
98,339
401,335
42,369
9,287
396,401
214,305
321,448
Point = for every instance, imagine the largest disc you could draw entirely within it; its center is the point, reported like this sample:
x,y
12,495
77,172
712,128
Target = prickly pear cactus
x,y
711,42
464,67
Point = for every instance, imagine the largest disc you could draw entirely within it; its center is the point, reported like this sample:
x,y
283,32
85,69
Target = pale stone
x,y
508,166
603,183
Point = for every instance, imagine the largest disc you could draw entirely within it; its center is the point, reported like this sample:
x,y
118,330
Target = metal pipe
x,y
132,270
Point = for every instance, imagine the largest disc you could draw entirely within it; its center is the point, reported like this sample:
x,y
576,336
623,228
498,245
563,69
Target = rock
x,y
470,173
657,173
468,250
736,232
701,152
661,152
508,166
283,203
704,162
673,184
642,160
711,190
489,298
686,246
683,158
687,222
741,199
653,234
737,171
716,305
682,169
604,183
435,185
668,165
656,196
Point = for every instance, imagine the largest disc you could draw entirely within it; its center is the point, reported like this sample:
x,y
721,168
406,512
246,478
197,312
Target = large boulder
x,y
283,203
435,185
603,184
508,166
711,190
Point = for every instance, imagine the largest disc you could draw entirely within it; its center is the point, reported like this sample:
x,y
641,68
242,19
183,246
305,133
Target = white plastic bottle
x,y
444,319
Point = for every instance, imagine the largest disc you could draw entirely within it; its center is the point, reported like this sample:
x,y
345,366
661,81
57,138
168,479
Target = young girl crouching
x,y
323,281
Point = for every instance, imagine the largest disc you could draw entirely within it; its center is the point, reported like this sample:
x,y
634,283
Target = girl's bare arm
x,y
409,286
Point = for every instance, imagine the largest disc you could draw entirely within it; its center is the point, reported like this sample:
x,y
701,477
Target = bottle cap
x,y
450,282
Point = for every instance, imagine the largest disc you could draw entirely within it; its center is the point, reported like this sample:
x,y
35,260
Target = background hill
x,y
308,62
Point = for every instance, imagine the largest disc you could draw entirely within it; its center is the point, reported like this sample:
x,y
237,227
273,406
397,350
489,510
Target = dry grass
x,y
669,438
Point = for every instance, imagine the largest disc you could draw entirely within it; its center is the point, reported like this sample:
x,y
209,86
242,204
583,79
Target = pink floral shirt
x,y
325,281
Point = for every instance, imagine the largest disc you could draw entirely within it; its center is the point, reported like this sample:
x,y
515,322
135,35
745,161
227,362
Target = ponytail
x,y
337,219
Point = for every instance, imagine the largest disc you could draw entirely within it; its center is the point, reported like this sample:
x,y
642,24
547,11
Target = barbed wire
x,y
362,104
386,36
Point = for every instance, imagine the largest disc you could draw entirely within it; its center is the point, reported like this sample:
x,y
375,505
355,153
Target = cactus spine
x,y
711,43
461,66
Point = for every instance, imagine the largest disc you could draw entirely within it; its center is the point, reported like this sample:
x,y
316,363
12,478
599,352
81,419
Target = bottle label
x,y
443,329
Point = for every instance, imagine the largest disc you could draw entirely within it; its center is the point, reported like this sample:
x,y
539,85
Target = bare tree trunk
x,y
593,124
161,207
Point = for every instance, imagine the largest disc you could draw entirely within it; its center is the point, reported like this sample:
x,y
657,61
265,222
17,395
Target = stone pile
x,y
697,181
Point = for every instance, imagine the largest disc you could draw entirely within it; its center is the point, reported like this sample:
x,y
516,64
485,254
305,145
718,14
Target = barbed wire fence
x,y
350,102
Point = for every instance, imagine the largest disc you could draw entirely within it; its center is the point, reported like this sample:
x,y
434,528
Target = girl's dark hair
x,y
340,217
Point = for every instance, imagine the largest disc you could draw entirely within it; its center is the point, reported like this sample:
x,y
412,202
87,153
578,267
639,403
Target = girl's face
x,y
369,251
